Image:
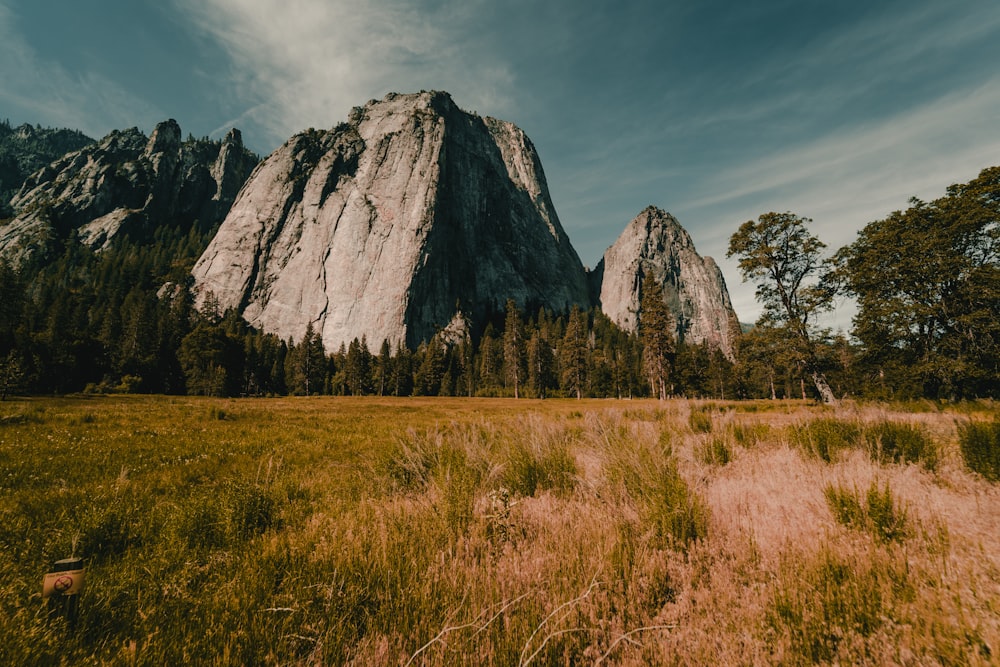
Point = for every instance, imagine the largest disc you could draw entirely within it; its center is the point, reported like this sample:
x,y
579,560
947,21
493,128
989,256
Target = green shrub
x,y
877,513
825,605
456,481
979,443
202,522
715,451
527,472
826,438
895,442
844,505
678,515
649,476
114,526
750,435
253,509
700,421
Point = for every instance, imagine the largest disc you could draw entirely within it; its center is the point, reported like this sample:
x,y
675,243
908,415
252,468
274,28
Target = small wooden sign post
x,y
62,587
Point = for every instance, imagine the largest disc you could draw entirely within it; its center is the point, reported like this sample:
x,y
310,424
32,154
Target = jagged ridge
x,y
128,183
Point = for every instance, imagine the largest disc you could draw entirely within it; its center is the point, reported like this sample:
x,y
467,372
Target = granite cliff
x,y
392,225
693,286
412,218
126,183
27,148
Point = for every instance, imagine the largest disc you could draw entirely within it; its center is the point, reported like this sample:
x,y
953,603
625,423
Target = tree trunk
x,y
825,392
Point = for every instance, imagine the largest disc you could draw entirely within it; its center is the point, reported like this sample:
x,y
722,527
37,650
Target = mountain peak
x,y
693,287
378,227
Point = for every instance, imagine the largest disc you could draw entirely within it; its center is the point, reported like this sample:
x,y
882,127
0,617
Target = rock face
x,y
126,183
390,225
693,286
26,149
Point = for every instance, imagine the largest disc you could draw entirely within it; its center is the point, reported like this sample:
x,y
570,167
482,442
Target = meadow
x,y
329,531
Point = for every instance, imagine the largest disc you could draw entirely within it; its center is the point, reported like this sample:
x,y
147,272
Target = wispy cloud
x,y
853,176
310,62
855,173
43,91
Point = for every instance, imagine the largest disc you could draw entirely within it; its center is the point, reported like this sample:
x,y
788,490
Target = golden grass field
x,y
328,531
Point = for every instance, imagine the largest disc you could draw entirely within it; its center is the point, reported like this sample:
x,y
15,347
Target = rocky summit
x,y
693,286
126,183
389,227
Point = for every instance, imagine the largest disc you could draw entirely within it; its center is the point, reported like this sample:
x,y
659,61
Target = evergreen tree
x,y
541,366
357,367
490,363
514,351
656,328
402,372
307,367
383,369
573,357
431,368
211,361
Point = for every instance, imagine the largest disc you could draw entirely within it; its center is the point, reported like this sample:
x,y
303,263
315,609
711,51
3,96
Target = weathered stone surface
x,y
26,149
693,286
126,182
389,225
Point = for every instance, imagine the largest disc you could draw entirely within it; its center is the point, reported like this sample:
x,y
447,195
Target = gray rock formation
x,y
693,286
126,183
26,149
387,226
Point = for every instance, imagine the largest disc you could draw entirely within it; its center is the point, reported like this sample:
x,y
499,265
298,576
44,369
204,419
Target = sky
x,y
839,111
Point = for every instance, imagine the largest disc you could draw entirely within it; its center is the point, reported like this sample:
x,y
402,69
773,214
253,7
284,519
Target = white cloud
x,y
851,177
304,63
43,91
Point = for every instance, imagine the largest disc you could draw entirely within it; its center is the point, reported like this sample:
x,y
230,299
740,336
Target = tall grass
x,y
826,438
876,512
492,532
979,443
900,442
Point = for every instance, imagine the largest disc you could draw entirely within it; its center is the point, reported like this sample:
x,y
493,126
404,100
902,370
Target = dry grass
x,y
496,532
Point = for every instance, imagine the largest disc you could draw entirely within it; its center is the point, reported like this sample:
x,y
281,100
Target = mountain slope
x,y
128,184
390,226
26,149
693,286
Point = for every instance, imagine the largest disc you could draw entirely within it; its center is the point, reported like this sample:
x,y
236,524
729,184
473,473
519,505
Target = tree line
x,y
926,281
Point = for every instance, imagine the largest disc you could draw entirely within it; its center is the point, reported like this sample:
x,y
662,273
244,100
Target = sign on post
x,y
62,588
66,578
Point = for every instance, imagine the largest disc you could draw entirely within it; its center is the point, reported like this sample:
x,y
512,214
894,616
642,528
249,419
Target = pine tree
x,y
656,328
541,366
513,349
383,368
573,354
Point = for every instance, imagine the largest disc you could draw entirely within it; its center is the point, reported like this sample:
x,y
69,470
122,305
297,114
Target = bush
x,y
114,526
895,442
825,605
979,443
750,435
878,513
252,509
679,515
826,438
700,421
715,451
526,471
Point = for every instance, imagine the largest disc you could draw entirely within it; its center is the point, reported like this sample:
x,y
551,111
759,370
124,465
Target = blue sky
x,y
838,111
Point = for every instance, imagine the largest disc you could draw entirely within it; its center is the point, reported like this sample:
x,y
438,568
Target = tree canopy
x,y
927,283
784,260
